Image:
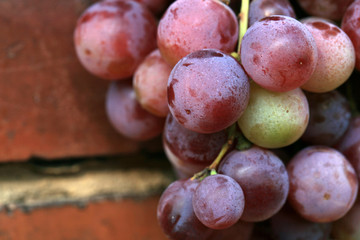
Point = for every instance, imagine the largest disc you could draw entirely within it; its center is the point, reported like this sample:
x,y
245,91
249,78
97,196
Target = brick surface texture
x,y
50,106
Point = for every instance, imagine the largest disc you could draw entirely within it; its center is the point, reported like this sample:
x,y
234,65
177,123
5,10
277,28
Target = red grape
x,y
112,38
336,56
207,91
150,83
279,53
350,24
191,25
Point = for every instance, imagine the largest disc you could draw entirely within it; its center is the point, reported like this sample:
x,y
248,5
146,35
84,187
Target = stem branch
x,y
243,21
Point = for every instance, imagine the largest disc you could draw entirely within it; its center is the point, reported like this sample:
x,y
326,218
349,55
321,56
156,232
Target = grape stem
x,y
243,21
225,147
242,144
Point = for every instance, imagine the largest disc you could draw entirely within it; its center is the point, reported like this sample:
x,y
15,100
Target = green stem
x,y
243,21
211,170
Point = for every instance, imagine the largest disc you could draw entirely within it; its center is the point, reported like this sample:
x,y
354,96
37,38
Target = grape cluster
x,y
257,112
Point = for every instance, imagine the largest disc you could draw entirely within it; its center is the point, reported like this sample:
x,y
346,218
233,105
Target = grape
x,y
332,9
349,144
274,120
263,8
188,151
323,184
263,178
112,38
288,225
350,25
336,56
329,118
176,215
207,91
279,53
128,117
218,201
150,83
347,227
191,25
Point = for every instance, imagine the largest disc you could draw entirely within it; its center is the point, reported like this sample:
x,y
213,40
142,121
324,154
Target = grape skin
x,y
274,120
259,9
150,83
218,201
329,118
332,9
336,56
323,184
350,25
263,178
190,152
128,117
112,38
279,53
191,25
176,215
207,91
349,144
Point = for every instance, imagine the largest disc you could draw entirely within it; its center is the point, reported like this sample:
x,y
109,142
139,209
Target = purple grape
x,y
264,8
207,91
332,9
263,178
218,201
190,152
128,117
329,118
349,144
176,215
323,184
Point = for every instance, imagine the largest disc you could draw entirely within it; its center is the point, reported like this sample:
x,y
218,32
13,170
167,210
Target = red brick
x,y
49,105
109,220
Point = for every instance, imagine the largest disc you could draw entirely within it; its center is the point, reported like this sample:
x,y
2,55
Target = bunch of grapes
x,y
257,110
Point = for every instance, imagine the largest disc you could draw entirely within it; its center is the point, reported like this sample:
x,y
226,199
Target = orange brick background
x,y
123,220
49,105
